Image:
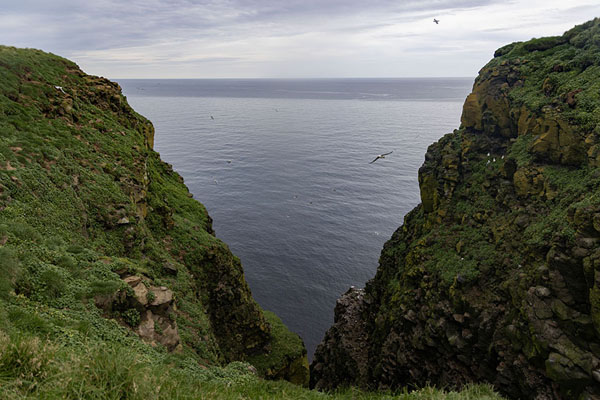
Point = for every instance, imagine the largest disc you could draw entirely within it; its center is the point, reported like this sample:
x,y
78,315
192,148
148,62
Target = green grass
x,y
31,368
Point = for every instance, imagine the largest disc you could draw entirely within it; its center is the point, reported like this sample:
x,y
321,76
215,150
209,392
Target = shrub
x,y
131,317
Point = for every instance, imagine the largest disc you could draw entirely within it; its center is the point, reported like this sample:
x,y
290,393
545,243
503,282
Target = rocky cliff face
x,y
495,276
96,228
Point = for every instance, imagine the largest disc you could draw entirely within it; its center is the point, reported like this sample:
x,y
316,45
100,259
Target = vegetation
x,y
31,369
94,231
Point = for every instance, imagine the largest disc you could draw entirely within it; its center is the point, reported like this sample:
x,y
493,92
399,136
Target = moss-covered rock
x,y
286,358
494,277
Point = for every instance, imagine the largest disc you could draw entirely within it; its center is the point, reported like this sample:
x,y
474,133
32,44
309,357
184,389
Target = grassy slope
x,y
34,369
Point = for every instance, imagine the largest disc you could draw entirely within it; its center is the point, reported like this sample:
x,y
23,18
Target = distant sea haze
x,y
283,167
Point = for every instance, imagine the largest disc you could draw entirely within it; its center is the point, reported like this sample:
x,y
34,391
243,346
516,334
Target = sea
x,y
285,169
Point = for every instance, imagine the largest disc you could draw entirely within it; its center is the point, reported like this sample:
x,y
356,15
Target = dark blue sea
x,y
283,169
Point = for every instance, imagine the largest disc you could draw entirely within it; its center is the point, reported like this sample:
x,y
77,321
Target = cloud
x,y
258,38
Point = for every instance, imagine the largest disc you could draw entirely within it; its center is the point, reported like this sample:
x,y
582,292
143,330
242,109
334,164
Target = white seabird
x,y
380,156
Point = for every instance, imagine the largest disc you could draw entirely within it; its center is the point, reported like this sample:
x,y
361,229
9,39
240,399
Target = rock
x,y
571,99
558,143
541,291
472,115
141,293
458,318
252,370
170,268
146,327
342,356
132,280
528,181
161,296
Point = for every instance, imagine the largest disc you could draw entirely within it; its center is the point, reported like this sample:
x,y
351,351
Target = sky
x,y
283,38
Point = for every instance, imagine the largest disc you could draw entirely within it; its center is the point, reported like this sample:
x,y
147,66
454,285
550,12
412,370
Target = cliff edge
x,y
101,242
495,276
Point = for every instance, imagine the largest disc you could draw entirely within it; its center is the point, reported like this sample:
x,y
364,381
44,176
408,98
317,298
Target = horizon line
x,y
310,78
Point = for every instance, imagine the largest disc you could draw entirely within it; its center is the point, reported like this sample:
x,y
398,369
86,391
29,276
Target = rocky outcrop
x,y
342,358
148,310
494,277
155,306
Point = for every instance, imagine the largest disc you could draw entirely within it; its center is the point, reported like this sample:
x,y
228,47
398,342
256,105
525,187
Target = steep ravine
x,y
495,276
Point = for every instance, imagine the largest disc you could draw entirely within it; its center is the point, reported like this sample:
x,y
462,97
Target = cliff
x,y
495,276
101,241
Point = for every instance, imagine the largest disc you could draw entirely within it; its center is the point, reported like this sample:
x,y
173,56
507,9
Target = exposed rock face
x,y
495,277
344,350
150,309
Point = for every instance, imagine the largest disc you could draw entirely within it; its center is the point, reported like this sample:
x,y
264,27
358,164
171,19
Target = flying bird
x,y
60,88
380,156
211,117
437,21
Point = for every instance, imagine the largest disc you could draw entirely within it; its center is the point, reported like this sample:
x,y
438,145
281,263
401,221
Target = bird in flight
x,y
380,156
60,88
211,117
437,21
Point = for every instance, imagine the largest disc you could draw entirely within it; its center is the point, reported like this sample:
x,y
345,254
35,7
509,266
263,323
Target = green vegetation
x,y
31,369
556,66
92,226
286,349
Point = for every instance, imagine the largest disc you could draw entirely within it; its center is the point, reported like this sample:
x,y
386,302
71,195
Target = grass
x,y
31,368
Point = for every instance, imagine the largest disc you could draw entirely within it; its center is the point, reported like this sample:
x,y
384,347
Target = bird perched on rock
x,y
380,156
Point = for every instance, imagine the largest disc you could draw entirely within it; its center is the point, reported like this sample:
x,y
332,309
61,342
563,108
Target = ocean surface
x,y
283,167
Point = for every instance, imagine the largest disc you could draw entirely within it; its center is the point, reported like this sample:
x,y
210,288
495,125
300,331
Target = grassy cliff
x,y
495,276
100,239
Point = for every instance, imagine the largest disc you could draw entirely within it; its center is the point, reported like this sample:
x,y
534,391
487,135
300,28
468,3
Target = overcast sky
x,y
283,38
